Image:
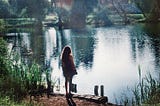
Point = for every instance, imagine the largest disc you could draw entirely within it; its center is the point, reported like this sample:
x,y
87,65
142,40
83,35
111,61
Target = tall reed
x,y
16,78
146,92
20,79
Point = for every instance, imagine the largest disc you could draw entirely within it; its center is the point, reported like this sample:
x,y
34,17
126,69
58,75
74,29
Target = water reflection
x,y
83,44
103,56
153,31
145,40
38,45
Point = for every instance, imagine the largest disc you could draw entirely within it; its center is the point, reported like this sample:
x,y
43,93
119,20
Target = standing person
x,y
69,69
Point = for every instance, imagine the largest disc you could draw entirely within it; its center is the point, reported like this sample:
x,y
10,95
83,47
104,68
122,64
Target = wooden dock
x,y
92,98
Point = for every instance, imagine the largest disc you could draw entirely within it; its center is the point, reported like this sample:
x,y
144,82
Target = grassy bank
x,y
18,22
6,101
145,93
16,78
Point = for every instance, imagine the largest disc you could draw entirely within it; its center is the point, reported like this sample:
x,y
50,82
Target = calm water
x,y
103,56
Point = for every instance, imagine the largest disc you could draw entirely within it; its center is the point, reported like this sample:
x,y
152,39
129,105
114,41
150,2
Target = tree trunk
x,y
122,14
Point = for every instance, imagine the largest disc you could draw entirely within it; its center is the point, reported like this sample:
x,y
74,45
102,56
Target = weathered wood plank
x,y
93,98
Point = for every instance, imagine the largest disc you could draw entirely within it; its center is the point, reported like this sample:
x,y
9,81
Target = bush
x,y
3,47
1,26
3,55
20,80
16,78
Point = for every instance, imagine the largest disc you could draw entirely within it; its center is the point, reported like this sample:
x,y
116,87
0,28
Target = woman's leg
x,y
70,85
66,85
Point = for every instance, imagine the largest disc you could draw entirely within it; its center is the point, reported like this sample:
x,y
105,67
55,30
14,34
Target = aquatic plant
x,y
16,78
146,92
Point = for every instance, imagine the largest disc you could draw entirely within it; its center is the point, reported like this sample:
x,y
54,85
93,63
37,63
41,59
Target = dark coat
x,y
68,67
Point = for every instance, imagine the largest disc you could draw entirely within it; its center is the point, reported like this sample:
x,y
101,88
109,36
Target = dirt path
x,y
59,100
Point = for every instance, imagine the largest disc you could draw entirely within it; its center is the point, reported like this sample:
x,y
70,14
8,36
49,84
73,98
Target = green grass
x,y
16,78
17,22
19,79
145,93
6,101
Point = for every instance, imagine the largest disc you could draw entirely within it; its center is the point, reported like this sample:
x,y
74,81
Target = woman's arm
x,y
72,63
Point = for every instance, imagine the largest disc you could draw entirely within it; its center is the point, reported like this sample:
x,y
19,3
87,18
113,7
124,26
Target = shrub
x,y
3,55
16,78
1,26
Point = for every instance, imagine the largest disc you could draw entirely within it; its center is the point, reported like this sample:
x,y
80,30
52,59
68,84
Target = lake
x,y
107,56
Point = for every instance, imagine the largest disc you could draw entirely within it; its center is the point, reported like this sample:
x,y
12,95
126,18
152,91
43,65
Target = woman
x,y
68,68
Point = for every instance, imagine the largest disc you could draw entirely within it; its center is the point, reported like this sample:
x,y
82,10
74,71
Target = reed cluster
x,y
146,92
16,78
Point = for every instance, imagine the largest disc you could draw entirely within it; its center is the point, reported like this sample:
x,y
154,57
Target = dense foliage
x,y
24,8
3,55
80,9
16,78
1,26
149,8
4,9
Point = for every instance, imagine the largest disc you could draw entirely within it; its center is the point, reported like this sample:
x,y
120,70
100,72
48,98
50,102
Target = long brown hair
x,y
65,53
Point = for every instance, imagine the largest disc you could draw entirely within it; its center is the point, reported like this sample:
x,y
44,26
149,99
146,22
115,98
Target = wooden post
x,y
74,88
96,90
102,90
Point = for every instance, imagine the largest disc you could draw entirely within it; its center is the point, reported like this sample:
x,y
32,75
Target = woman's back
x,y
68,63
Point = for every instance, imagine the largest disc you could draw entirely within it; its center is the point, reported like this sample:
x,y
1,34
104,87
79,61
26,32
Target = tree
x,y
30,8
120,10
78,14
37,9
18,7
80,10
90,5
155,11
4,9
149,8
